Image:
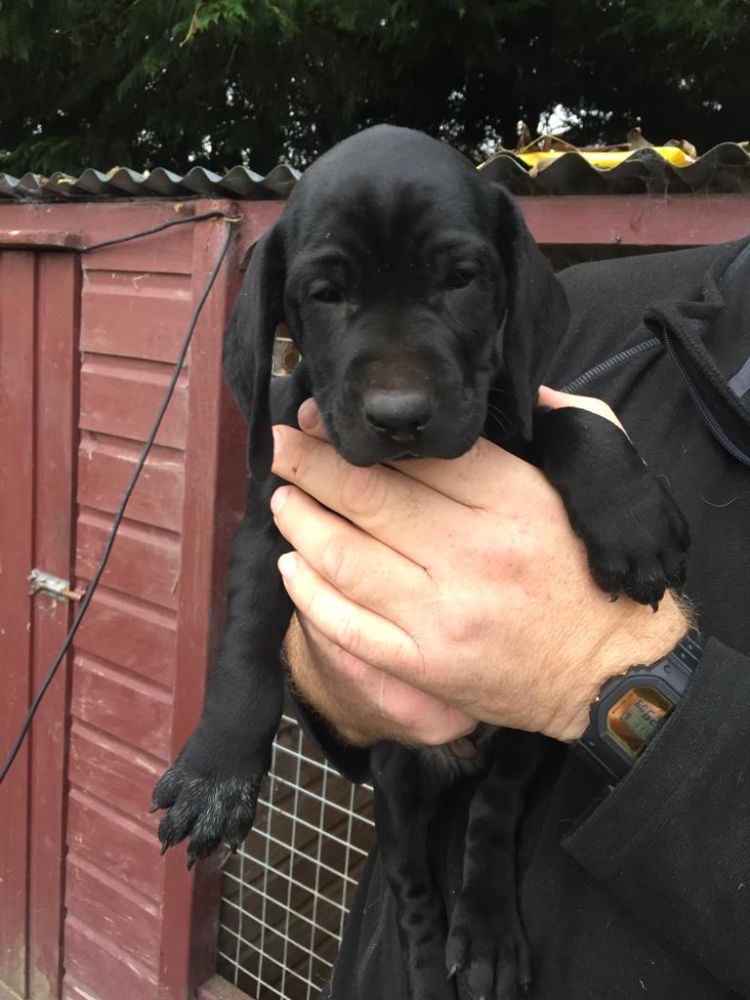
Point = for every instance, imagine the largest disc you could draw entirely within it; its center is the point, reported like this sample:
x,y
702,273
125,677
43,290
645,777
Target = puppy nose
x,y
401,413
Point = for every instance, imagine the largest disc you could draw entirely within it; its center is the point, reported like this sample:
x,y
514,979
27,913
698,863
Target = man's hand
x,y
446,592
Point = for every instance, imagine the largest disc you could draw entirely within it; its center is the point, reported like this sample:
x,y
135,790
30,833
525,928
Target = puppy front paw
x,y
635,535
640,550
204,805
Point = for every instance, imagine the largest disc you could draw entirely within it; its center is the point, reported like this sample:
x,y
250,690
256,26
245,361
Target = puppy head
x,y
419,301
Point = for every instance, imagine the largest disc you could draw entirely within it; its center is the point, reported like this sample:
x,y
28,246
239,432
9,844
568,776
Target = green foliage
x,y
174,82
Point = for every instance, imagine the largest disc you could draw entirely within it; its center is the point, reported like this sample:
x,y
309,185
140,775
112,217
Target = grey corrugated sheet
x,y
723,169
239,182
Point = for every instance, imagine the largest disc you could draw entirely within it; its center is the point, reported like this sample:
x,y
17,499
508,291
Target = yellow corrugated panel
x,y
606,160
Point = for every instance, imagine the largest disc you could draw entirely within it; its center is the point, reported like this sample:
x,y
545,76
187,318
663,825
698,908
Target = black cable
x,y
136,471
185,220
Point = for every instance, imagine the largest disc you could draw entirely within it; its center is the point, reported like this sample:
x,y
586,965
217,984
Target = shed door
x,y
39,304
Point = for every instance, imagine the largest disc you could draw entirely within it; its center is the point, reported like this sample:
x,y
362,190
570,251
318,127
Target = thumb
x,y
556,400
311,420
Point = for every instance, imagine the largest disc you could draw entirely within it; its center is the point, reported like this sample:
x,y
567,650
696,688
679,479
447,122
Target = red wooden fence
x,y
88,909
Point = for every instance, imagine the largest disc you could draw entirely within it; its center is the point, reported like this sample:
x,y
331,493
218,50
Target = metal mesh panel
x,y
286,892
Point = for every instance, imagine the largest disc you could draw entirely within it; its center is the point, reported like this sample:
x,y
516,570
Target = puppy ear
x,y
536,315
248,345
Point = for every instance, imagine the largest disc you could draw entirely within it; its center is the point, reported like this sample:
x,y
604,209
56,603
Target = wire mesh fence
x,y
287,891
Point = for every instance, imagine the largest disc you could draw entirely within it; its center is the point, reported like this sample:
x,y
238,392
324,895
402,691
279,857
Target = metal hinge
x,y
55,586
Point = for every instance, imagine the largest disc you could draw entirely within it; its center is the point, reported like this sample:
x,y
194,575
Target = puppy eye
x,y
325,292
460,277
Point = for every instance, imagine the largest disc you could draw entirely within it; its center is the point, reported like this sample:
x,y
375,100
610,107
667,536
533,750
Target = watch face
x,y
634,719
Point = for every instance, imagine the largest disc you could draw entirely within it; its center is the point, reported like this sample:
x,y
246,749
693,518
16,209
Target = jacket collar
x,y
686,327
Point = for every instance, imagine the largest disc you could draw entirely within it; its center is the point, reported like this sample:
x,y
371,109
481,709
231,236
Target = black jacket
x,y
644,890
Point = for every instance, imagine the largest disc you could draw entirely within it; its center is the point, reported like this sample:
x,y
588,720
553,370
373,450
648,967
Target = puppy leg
x,y
211,790
635,535
407,794
486,941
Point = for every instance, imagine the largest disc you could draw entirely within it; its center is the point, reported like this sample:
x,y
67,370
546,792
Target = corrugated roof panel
x,y
239,182
723,169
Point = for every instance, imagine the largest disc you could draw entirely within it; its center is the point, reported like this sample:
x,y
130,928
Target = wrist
x,y
640,637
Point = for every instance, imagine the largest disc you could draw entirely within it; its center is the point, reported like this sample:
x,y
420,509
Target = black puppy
x,y
426,316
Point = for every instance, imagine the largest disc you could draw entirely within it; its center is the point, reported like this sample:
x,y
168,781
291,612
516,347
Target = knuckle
x,y
337,563
347,635
364,491
463,624
310,603
407,658
462,631
514,556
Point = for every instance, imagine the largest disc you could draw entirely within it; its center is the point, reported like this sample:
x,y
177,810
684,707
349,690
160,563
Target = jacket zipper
x,y
606,366
708,417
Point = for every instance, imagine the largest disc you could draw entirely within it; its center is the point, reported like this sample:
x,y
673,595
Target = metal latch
x,y
55,586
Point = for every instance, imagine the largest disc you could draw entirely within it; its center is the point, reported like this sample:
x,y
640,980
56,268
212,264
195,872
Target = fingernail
x,y
279,498
287,564
308,415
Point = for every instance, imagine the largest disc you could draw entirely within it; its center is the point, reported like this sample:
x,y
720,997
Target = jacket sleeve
x,y
672,840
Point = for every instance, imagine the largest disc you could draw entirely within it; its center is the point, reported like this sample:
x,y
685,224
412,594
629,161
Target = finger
x,y
378,705
480,478
364,569
311,420
557,400
462,479
354,629
394,508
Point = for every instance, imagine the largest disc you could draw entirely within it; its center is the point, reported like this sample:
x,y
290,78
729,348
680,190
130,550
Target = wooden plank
x,y
217,988
144,562
58,298
130,633
101,971
73,991
114,844
6,993
214,495
81,224
122,705
681,220
17,417
121,396
115,772
167,252
127,919
677,220
105,465
135,314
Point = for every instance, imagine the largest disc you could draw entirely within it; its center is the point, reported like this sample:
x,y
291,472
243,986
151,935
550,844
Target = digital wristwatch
x,y
632,707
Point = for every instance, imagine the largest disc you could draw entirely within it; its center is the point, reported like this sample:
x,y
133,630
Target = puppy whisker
x,y
500,416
